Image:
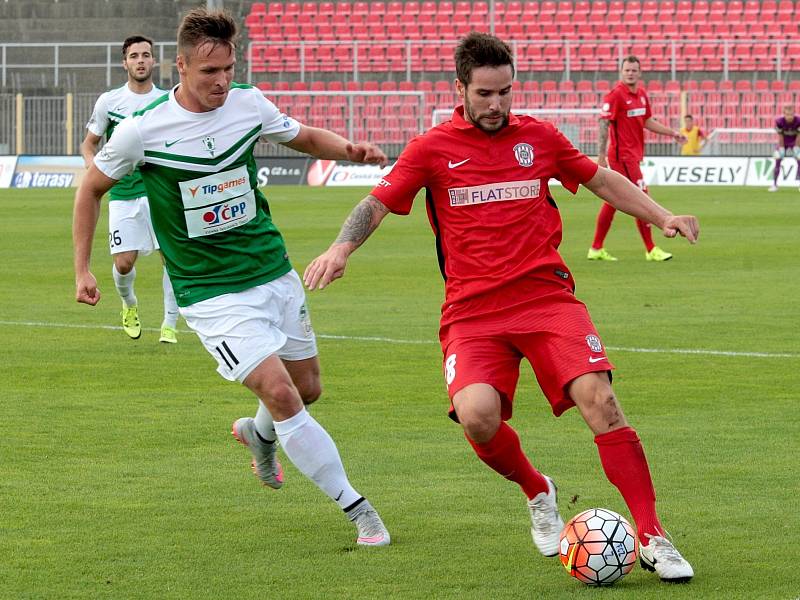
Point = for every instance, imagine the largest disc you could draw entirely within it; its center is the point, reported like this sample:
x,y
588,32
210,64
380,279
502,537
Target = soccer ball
x,y
598,547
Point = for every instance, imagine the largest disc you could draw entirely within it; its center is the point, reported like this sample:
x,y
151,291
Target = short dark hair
x,y
135,39
631,59
481,50
200,26
688,117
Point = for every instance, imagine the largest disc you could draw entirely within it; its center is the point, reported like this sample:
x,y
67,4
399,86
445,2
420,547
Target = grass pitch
x,y
119,478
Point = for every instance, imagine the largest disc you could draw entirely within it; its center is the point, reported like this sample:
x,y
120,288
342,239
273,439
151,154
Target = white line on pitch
x,y
358,338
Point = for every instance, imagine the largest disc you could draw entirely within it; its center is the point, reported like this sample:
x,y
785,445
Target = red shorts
x,y
557,337
631,170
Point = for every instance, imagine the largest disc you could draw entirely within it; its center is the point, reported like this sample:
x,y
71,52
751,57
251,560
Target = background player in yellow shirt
x,y
695,137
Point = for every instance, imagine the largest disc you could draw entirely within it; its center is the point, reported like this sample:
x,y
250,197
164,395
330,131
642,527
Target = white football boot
x,y
547,523
661,557
371,530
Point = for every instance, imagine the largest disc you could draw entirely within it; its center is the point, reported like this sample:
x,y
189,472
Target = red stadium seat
x,y
666,8
777,85
752,8
761,85
394,8
691,85
785,8
411,31
513,9
683,8
428,8
377,10
768,9
548,7
700,9
650,7
602,86
654,86
764,56
708,85
530,9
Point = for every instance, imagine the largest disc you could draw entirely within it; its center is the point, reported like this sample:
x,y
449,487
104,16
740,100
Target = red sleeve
x,y
609,109
574,167
398,188
649,112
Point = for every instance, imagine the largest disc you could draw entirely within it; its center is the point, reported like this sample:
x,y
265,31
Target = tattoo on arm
x,y
603,140
363,220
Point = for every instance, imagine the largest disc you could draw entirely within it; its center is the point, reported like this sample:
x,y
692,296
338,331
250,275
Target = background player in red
x,y
626,114
508,293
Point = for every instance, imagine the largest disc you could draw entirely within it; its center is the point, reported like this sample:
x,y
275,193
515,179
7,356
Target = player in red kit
x,y
508,293
626,114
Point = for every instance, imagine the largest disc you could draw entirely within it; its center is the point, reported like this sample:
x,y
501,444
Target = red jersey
x,y
627,113
496,224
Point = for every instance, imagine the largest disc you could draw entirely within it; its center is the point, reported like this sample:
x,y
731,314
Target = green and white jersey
x,y
212,223
110,108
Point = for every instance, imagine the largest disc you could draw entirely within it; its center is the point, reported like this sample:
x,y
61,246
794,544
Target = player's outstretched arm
x,y
363,220
89,148
322,143
84,222
623,195
656,126
602,150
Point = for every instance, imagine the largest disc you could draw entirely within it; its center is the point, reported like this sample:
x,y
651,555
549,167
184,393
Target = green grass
x,y
119,479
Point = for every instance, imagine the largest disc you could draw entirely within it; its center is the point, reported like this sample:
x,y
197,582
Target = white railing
x,y
55,61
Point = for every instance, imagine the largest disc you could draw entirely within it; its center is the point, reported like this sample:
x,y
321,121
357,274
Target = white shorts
x,y
240,330
129,226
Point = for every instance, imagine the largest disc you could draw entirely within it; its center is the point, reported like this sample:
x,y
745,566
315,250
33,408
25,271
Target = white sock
x,y
124,284
314,453
170,306
264,425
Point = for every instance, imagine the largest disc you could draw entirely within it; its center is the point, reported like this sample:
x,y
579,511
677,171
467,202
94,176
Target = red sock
x,y
646,233
604,218
626,467
504,454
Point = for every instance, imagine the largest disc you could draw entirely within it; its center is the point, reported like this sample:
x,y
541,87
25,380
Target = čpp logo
x,y
223,213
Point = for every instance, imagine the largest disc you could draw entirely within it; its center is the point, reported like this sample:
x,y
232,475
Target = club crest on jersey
x,y
209,144
524,154
594,343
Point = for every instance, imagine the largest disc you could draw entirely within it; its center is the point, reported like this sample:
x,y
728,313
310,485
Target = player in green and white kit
x,y
227,261
130,232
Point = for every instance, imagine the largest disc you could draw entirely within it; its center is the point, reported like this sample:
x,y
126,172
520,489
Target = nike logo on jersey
x,y
168,144
339,496
452,165
628,101
594,360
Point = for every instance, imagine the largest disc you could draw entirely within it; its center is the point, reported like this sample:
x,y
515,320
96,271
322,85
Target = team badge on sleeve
x,y
524,154
594,343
